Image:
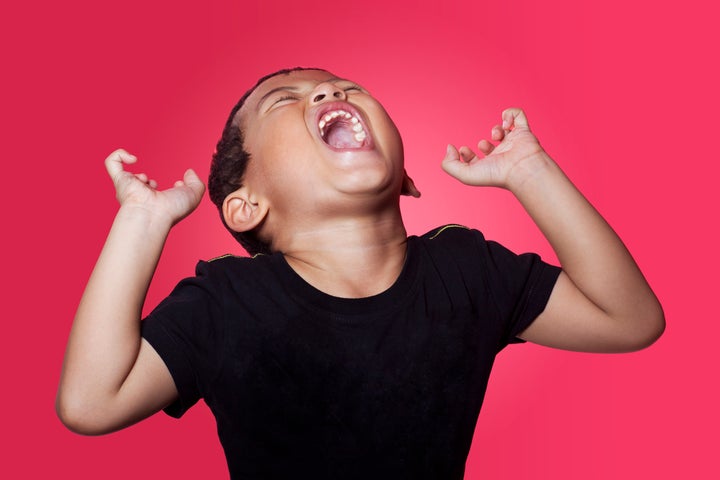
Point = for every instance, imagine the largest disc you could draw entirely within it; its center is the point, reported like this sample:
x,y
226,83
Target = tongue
x,y
342,136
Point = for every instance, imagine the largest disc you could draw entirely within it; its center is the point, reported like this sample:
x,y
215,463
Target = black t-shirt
x,y
303,384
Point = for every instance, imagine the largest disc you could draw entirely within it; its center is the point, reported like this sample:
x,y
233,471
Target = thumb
x,y
192,181
514,117
114,162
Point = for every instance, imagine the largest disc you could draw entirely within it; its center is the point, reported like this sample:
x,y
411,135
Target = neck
x,y
352,257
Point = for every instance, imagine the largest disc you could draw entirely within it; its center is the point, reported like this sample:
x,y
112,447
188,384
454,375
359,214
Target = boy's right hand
x,y
136,190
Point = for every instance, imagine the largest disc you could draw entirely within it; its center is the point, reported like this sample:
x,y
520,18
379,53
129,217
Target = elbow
x,y
70,415
650,326
77,416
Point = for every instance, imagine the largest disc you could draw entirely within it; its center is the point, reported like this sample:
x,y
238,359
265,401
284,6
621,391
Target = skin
x,y
336,218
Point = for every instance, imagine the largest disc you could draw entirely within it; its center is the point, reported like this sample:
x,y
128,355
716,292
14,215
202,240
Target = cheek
x,y
275,144
280,158
389,136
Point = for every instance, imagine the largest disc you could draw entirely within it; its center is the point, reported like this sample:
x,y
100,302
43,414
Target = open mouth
x,y
342,129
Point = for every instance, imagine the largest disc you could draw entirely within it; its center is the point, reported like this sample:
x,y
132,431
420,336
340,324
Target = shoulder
x,y
229,259
470,251
219,277
452,233
454,238
452,248
446,232
243,279
229,266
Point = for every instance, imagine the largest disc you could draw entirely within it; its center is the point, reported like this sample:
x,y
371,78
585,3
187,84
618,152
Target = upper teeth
x,y
357,127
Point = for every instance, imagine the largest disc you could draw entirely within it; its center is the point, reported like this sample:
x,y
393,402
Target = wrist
x,y
144,218
529,171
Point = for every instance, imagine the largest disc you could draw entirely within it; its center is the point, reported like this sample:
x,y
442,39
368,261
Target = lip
x,y
330,106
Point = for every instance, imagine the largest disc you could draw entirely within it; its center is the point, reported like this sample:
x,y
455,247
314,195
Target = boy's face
x,y
315,139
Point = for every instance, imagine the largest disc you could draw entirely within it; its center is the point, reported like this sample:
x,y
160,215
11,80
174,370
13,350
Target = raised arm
x,y
112,378
601,302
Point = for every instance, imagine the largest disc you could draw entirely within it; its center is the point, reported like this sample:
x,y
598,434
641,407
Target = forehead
x,y
297,78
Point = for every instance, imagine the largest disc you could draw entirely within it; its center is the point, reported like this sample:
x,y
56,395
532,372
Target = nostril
x,y
337,94
319,97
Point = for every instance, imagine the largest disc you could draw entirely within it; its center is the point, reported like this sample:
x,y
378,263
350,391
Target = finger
x,y
451,154
153,184
460,169
497,133
485,147
142,177
114,161
467,154
452,163
513,118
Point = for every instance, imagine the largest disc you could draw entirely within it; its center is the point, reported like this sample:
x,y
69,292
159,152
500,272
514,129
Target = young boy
x,y
347,349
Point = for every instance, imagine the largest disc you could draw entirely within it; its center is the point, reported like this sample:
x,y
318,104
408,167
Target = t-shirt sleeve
x,y
507,291
519,285
186,330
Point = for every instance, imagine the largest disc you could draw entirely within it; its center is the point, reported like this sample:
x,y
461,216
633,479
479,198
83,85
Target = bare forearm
x,y
590,252
105,336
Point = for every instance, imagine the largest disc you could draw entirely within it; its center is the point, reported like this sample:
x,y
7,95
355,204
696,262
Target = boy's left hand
x,y
504,165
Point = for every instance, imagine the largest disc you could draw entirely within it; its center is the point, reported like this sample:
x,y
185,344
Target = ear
x,y
408,187
242,212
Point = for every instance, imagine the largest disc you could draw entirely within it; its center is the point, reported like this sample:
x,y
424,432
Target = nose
x,y
327,91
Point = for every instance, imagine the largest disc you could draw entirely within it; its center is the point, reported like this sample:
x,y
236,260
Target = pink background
x,y
623,94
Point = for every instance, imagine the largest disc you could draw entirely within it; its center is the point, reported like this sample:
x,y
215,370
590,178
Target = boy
x,y
346,350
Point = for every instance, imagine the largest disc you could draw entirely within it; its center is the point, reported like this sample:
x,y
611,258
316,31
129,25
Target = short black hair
x,y
229,163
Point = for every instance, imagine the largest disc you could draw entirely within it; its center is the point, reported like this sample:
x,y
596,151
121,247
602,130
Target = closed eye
x,y
283,98
353,87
